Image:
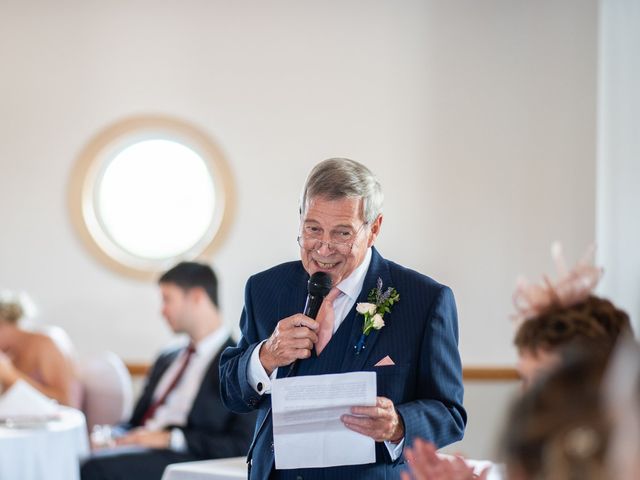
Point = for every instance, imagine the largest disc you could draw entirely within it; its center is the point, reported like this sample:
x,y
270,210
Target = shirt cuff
x,y
177,442
257,375
395,449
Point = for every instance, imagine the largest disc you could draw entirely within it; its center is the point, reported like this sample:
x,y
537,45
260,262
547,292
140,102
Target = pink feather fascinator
x,y
571,287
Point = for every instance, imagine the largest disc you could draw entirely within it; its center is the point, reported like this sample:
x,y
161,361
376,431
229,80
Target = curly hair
x,y
559,429
595,322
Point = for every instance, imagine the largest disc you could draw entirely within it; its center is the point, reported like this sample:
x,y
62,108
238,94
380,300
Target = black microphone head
x,y
319,284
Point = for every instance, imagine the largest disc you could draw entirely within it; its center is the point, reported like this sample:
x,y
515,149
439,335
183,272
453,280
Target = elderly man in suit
x,y
180,416
415,354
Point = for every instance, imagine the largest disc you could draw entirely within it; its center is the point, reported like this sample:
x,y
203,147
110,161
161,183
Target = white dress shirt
x,y
176,408
342,305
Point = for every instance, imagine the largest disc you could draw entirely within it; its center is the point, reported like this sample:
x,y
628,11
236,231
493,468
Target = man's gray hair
x,y
338,178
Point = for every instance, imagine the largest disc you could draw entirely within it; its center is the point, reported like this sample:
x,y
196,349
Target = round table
x,y
51,451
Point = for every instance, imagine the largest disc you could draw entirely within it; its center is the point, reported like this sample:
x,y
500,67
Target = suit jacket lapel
x,y
292,301
211,376
213,370
294,296
144,402
377,269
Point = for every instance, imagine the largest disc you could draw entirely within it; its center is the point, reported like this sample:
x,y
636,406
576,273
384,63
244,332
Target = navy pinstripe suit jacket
x,y
420,335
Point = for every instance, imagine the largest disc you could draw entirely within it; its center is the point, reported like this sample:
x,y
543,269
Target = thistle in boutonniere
x,y
380,302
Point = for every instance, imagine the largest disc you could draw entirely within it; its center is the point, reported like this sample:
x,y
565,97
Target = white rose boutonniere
x,y
378,322
364,307
380,302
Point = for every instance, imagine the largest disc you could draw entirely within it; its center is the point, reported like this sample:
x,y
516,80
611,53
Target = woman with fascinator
x,y
557,429
554,315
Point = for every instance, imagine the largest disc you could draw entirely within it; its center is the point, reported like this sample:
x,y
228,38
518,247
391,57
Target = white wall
x,y
478,117
619,153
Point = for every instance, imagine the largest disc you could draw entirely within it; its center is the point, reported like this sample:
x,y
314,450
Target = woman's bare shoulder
x,y
42,342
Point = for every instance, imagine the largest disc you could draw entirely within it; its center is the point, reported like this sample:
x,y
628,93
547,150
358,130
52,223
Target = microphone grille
x,y
319,284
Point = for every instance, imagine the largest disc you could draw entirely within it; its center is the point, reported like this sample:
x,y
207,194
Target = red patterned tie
x,y
326,319
176,379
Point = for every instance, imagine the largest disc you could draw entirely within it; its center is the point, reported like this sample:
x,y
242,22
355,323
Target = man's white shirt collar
x,y
352,285
212,342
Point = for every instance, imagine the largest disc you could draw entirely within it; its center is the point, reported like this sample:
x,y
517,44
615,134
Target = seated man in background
x,y
180,416
31,356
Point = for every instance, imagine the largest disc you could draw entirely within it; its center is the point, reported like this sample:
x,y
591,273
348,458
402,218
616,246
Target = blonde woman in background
x,y
31,356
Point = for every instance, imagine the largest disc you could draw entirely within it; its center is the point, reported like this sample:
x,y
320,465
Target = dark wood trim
x,y
476,374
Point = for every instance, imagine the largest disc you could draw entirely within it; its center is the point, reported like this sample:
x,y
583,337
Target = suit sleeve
x,y
437,413
236,391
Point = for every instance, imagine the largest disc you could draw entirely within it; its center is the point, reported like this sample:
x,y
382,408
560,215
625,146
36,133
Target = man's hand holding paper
x,y
381,422
307,420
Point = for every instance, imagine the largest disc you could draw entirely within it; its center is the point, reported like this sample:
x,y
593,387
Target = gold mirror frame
x,y
85,176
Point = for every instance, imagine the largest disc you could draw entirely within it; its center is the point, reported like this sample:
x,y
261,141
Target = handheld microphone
x,y
318,286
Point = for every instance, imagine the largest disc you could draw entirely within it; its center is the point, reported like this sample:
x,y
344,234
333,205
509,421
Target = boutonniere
x,y
380,302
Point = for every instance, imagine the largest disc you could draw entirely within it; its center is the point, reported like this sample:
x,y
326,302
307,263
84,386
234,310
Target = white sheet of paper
x,y
307,430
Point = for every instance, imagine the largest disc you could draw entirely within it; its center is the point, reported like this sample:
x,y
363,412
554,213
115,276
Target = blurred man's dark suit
x,y
211,431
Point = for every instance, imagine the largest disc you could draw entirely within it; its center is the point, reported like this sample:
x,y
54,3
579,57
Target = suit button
x,y
260,387
299,477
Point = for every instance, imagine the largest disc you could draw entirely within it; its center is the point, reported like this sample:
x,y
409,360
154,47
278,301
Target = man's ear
x,y
196,294
375,230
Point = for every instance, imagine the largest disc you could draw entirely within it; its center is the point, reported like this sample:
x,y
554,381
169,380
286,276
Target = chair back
x,y
107,389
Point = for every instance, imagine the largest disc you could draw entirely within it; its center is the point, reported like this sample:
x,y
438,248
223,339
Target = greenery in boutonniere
x,y
380,302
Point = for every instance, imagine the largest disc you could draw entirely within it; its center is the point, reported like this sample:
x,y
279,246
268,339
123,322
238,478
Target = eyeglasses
x,y
311,239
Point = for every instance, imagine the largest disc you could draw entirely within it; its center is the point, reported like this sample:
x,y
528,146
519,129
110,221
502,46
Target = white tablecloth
x,y
236,468
51,451
221,469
